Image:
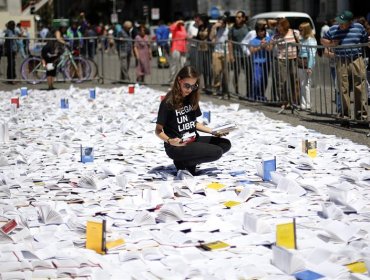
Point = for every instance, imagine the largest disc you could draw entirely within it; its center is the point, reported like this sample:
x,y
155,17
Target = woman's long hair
x,y
174,97
306,30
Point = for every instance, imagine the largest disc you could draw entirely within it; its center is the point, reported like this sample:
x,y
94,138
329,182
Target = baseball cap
x,y
344,17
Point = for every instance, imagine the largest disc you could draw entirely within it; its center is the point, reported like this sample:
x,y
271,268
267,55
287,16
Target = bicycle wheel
x,y
94,69
32,70
77,70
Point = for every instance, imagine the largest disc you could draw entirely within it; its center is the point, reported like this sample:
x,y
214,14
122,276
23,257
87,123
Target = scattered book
x,y
172,211
286,260
64,104
357,267
87,182
231,203
4,132
96,236
253,223
217,245
188,137
265,168
207,116
9,227
92,93
87,154
307,275
226,128
49,216
216,186
286,235
309,147
15,101
114,245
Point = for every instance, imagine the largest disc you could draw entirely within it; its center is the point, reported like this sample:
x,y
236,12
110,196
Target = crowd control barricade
x,y
286,81
22,62
259,77
240,72
339,81
210,60
120,64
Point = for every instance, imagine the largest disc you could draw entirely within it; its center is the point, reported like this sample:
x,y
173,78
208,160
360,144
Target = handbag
x,y
302,62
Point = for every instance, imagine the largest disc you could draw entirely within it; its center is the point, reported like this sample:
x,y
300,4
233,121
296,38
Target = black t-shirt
x,y
178,122
49,52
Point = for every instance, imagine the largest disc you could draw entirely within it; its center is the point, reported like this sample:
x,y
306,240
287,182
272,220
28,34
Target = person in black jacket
x,y
49,55
10,46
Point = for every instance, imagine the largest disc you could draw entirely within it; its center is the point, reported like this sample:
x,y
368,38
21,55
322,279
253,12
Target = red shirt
x,y
179,36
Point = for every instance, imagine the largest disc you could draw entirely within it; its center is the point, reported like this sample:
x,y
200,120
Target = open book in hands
x,y
223,129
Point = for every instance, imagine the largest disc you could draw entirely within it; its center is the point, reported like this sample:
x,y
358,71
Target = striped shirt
x,y
285,45
354,35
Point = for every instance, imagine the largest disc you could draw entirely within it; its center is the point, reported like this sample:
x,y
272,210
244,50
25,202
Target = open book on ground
x,y
286,260
49,216
225,128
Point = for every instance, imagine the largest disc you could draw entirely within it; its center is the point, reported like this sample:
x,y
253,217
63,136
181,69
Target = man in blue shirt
x,y
350,64
162,34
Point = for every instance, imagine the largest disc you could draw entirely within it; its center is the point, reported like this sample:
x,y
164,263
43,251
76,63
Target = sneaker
x,y
183,174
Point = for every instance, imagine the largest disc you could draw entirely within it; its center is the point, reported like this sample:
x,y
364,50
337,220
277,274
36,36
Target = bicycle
x,y
73,68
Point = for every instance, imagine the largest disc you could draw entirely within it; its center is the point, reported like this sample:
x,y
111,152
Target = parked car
x,y
295,18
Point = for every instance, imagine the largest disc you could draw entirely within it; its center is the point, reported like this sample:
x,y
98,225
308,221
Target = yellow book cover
x,y
231,203
312,148
95,236
216,186
286,235
309,147
114,244
357,267
217,245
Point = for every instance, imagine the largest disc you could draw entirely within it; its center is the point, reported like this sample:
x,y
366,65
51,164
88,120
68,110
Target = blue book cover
x,y
268,166
64,104
87,154
207,115
307,275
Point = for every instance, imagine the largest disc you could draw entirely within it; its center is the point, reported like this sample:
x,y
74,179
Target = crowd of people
x,y
215,48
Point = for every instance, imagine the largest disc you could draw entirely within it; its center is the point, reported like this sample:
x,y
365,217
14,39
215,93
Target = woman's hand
x,y
176,142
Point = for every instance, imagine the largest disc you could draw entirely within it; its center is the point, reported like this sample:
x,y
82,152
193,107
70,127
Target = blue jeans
x,y
338,98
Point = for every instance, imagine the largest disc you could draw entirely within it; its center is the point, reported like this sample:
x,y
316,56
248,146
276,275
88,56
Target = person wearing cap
x,y
350,63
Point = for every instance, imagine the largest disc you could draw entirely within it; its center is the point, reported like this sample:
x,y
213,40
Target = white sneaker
x,y
183,174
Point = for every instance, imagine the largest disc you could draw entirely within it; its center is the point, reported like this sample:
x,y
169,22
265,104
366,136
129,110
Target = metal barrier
x,y
338,85
24,62
120,64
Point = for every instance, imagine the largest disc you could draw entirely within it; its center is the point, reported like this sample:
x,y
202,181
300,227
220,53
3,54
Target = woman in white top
x,y
306,62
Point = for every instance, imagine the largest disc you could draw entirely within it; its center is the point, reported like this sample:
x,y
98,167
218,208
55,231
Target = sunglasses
x,y
189,86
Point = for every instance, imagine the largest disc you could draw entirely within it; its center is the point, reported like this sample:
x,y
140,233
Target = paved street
x,y
357,133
